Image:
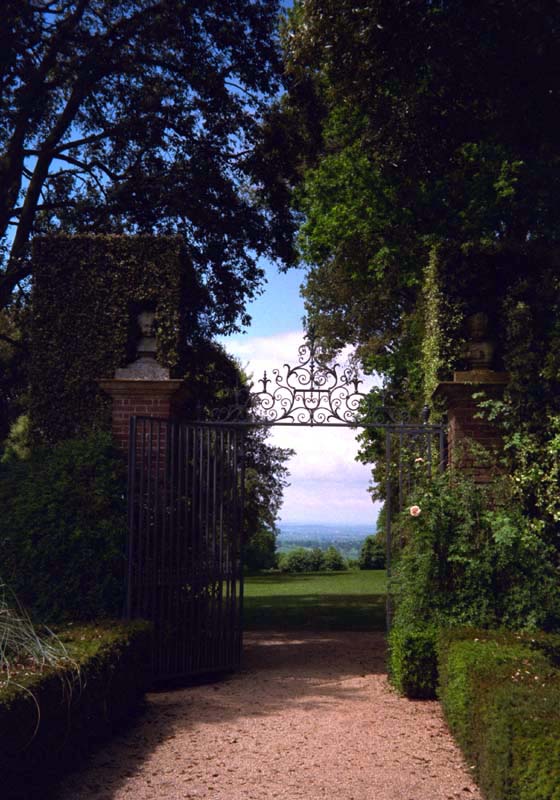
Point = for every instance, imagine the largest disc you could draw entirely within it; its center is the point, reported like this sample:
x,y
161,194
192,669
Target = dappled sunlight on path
x,y
311,716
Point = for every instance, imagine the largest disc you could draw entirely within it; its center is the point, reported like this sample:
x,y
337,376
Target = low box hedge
x,y
413,660
500,693
49,720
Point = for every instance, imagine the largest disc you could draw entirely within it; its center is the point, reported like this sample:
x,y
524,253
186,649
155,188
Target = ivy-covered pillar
x,y
474,442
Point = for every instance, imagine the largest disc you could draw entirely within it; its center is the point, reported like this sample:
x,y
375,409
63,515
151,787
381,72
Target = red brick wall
x,y
469,434
156,399
141,406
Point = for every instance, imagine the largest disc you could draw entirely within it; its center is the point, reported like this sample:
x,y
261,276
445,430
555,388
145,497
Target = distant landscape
x,y
347,539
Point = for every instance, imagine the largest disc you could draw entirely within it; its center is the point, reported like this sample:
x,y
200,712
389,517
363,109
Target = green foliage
x,y
472,558
17,446
434,151
21,642
63,528
536,772
55,717
533,456
260,550
442,315
372,554
317,560
14,356
427,194
500,696
104,280
266,476
412,659
159,136
301,559
333,560
297,560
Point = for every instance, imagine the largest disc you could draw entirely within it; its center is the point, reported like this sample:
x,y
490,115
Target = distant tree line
x,y
315,559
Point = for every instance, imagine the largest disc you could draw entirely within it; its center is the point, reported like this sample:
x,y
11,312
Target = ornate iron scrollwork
x,y
313,392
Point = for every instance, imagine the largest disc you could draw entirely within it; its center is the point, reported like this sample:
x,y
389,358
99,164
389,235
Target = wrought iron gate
x,y
186,503
184,551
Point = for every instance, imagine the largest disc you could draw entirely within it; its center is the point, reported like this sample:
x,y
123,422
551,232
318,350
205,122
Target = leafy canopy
x,y
139,116
438,125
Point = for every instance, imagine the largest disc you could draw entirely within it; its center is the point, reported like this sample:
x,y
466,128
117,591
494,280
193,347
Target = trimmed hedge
x,y
500,693
87,290
58,716
412,660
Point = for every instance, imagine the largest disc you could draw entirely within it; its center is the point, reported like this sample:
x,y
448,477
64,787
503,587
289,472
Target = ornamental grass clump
x,y
22,646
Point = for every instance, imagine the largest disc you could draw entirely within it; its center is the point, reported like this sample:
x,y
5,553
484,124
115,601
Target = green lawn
x,y
324,600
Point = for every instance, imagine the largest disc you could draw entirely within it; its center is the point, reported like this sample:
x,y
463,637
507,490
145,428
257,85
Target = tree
x,y
427,179
139,116
13,367
333,560
265,479
218,381
260,550
439,127
316,559
300,559
372,554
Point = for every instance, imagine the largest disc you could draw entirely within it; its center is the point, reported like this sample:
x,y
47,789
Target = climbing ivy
x,y
87,290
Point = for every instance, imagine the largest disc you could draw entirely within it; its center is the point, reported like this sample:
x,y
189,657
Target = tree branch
x,y
89,166
30,104
15,266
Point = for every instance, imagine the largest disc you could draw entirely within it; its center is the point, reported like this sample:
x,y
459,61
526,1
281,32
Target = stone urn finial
x,y
147,345
480,349
145,366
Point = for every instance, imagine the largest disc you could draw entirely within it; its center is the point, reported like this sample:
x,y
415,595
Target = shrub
x,y
470,558
501,697
333,560
412,660
316,560
63,530
297,560
301,559
372,553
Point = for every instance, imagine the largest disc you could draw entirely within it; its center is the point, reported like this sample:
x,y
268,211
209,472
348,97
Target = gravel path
x,y
310,716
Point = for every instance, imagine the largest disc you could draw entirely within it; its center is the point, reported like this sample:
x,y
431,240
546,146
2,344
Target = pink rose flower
x,y
415,511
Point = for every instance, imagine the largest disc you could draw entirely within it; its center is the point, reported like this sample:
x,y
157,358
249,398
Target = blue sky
x,y
327,484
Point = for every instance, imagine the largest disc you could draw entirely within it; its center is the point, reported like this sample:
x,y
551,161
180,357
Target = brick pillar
x,y
144,398
467,432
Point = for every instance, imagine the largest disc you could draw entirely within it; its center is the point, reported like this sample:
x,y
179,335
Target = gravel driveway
x,y
310,716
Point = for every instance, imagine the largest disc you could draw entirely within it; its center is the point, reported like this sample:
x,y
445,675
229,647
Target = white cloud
x,y
327,484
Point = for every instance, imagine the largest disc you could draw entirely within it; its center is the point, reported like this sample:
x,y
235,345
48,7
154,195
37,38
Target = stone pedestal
x,y
143,398
469,434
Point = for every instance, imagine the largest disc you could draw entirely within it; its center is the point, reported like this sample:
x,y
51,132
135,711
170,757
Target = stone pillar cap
x,y
131,387
480,376
473,380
